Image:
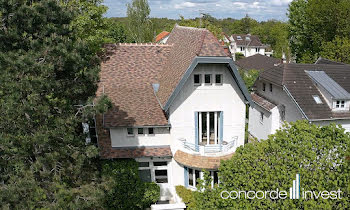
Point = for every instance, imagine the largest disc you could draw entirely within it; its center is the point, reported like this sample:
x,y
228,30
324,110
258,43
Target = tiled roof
x,y
252,40
108,152
162,35
302,88
187,43
263,102
321,60
126,77
198,161
258,62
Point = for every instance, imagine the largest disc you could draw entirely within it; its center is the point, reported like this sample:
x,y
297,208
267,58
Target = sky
x,y
257,9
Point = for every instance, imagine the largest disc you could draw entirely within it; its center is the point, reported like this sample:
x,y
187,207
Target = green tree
x,y
46,70
127,191
249,77
337,50
139,23
314,22
202,23
317,153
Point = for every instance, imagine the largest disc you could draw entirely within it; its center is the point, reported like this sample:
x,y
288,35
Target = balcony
x,y
209,149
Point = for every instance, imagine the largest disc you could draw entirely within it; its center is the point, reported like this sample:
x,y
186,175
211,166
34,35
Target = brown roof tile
x,y
187,43
254,40
263,102
162,35
258,62
127,77
198,161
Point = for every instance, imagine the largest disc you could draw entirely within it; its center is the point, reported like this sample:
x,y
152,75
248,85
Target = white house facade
x,y
178,108
318,93
246,44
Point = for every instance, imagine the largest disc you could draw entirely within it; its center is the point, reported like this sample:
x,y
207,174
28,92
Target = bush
x,y
126,190
187,196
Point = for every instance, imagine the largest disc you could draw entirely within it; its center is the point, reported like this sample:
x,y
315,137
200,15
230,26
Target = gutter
x,y
295,102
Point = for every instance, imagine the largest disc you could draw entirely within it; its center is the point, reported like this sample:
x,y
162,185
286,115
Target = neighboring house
x,y
178,108
258,62
318,93
321,60
246,44
162,37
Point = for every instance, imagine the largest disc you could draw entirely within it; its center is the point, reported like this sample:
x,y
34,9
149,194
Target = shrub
x,y
187,196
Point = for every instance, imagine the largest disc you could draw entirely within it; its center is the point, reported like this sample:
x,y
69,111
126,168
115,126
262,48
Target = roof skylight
x,y
317,99
239,37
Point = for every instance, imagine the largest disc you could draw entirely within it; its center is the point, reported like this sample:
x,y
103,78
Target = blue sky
x,y
257,9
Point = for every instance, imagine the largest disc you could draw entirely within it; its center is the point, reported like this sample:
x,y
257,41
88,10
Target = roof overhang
x,y
211,60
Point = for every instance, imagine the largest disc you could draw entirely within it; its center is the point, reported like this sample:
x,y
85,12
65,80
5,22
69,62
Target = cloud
x,y
258,9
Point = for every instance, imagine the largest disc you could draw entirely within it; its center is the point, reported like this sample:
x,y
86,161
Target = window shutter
x,y
221,126
196,136
186,176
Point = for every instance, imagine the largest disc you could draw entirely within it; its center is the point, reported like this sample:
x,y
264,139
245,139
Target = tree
x,y
314,22
202,23
46,70
337,50
317,153
249,77
139,24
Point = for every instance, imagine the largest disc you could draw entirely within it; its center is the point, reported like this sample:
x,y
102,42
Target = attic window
x,y
197,79
239,38
257,49
317,99
207,79
130,131
340,104
218,79
247,38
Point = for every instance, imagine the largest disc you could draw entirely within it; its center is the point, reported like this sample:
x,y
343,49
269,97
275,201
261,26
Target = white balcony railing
x,y
209,148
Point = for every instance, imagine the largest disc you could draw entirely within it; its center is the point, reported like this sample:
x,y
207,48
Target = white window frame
x,y
340,104
200,80
201,176
143,132
153,168
216,126
212,178
211,79
127,132
221,79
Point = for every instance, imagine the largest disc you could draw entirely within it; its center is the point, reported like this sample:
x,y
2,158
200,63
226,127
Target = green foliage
x,y
139,23
126,190
318,154
314,23
202,23
47,69
249,77
187,196
337,50
239,55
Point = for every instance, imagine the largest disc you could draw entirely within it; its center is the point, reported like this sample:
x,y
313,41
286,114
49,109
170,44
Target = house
x,y
318,93
258,62
246,44
178,108
162,37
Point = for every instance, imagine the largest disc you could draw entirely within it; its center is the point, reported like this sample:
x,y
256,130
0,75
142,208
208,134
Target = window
x,y
264,86
214,177
161,176
140,131
207,79
239,38
317,99
242,48
340,104
150,131
130,131
270,87
257,49
197,79
209,124
261,117
247,38
218,79
193,176
154,171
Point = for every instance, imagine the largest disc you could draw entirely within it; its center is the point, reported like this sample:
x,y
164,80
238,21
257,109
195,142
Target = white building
x,y
317,92
246,44
178,108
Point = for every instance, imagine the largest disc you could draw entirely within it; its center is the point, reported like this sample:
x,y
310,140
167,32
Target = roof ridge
x,y
144,44
204,34
192,28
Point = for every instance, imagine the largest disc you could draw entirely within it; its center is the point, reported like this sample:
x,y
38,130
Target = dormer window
x,y
130,131
257,49
239,38
317,99
247,38
242,48
340,104
197,79
207,79
218,79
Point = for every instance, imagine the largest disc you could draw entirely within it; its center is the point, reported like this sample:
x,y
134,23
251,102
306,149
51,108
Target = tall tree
x,y
46,69
314,23
139,24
